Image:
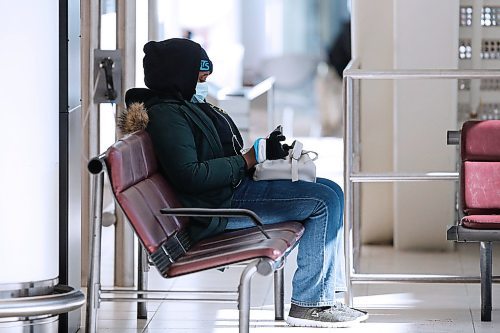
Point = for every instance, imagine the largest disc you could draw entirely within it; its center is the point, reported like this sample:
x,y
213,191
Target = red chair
x,y
151,206
480,197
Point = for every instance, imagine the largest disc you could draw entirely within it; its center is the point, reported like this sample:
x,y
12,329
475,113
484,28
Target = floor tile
x,y
118,330
122,324
486,327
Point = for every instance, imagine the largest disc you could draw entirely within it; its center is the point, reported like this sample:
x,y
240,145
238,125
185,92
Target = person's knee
x,y
332,199
333,185
335,194
336,187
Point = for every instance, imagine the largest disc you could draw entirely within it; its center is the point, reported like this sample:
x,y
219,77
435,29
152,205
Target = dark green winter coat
x,y
192,159
185,141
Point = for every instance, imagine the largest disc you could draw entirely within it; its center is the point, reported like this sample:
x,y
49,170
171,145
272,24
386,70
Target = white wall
x,y
215,26
255,35
29,66
423,111
372,44
404,124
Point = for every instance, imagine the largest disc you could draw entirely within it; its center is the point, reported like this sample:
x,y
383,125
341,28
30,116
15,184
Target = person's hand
x,y
274,149
271,147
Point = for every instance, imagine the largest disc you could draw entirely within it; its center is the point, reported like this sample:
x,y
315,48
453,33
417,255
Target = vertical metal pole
x,y
142,282
90,21
279,293
126,43
486,280
271,118
153,24
124,235
94,278
476,40
244,296
348,188
356,167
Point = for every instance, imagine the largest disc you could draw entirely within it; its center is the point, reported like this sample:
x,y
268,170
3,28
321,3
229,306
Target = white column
x,y
426,37
253,36
29,66
372,45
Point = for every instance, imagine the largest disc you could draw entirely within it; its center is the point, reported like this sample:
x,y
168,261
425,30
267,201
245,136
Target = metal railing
x,y
353,177
63,299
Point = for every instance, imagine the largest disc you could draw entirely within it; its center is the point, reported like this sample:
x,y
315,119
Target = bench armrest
x,y
214,212
460,233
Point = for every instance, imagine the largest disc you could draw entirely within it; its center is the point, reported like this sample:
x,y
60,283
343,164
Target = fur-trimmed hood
x,y
132,119
135,116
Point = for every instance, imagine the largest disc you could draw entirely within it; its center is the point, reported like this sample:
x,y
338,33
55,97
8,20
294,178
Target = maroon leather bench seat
x,y
480,174
142,192
480,198
481,221
236,251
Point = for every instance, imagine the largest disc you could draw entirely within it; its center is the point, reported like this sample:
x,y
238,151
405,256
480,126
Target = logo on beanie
x,y
205,65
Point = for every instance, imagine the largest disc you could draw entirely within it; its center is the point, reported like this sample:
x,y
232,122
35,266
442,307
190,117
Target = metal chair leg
x,y
244,296
279,294
142,282
94,280
486,280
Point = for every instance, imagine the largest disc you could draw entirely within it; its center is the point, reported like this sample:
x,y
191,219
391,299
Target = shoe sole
x,y
292,321
363,317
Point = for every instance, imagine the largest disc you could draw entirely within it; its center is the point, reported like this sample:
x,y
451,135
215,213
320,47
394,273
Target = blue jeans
x,y
319,206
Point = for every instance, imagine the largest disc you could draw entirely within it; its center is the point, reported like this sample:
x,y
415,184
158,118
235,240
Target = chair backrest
x,y
141,191
480,167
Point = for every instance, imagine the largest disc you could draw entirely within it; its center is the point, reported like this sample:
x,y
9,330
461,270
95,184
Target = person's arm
x,y
250,159
177,153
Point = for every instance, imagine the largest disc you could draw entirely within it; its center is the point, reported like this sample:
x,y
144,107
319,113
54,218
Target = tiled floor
x,y
402,308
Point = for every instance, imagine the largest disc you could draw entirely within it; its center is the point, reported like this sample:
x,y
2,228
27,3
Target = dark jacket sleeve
x,y
190,168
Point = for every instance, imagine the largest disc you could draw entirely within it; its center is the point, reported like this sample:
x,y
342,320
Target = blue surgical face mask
x,y
201,92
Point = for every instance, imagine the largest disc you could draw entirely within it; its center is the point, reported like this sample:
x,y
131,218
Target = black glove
x,y
274,149
271,148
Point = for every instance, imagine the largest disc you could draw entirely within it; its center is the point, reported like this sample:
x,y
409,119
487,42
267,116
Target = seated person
x,y
199,150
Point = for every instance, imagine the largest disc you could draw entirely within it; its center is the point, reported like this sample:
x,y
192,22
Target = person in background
x,y
200,152
329,82
339,53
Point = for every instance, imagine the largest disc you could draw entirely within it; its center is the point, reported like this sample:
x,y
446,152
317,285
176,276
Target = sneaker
x,y
335,316
359,314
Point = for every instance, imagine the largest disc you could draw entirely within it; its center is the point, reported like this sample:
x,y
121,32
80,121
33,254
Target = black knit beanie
x,y
206,64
